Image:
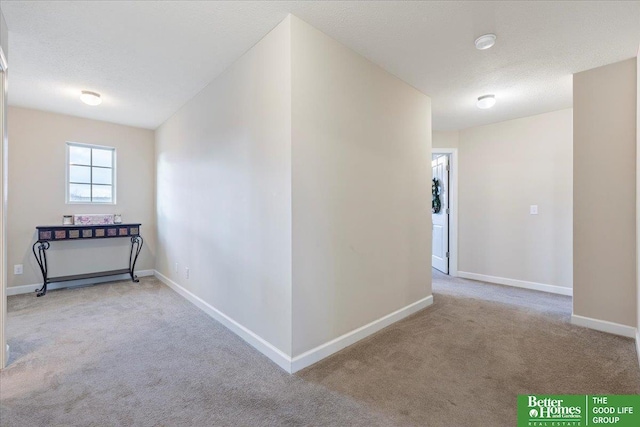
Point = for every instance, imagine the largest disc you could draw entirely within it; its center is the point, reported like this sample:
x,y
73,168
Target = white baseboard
x,y
280,358
312,356
29,289
604,326
561,290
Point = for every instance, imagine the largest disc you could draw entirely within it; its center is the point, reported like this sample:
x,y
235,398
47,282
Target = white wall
x,y
604,213
37,168
224,191
638,199
4,36
503,169
446,139
361,190
296,189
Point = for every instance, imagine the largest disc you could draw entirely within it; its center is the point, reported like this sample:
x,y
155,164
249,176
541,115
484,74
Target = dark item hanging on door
x,y
436,204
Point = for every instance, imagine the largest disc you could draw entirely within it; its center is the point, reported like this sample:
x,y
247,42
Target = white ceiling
x,y
148,58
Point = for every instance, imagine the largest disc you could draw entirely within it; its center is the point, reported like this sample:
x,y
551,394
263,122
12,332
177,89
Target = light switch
x,y
533,209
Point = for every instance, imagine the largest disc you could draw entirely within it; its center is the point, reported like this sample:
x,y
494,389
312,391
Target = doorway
x,y
444,215
440,212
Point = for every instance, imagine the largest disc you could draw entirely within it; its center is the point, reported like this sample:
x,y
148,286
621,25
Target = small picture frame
x,y
67,219
117,219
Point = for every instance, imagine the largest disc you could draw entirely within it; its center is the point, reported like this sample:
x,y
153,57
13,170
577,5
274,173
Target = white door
x,y
440,219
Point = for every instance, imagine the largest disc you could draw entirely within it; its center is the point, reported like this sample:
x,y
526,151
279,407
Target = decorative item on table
x,y
67,219
117,219
93,219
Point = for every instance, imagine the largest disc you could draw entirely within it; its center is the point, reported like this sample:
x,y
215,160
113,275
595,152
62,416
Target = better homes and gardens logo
x,y
553,410
578,410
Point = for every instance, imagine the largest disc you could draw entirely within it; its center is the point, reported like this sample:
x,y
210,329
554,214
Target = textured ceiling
x,y
148,58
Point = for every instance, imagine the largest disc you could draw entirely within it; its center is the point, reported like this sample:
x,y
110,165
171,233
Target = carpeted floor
x,y
139,355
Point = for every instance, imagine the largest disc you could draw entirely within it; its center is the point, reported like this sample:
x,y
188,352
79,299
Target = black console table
x,y
47,234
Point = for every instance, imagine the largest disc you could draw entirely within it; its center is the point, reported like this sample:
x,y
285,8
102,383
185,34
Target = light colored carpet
x,y
122,354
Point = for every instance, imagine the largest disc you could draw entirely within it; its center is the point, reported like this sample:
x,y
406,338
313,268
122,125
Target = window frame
x,y
68,165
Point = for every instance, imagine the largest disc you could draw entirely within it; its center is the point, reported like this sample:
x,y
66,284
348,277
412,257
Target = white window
x,y
91,174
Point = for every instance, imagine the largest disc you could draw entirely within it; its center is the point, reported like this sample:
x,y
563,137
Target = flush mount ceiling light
x,y
90,98
485,41
486,101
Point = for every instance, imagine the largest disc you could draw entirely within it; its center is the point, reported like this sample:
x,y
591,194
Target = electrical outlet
x,y
533,209
17,269
176,269
186,272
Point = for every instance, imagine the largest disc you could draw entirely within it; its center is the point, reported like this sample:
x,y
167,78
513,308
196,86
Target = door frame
x,y
3,207
453,206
